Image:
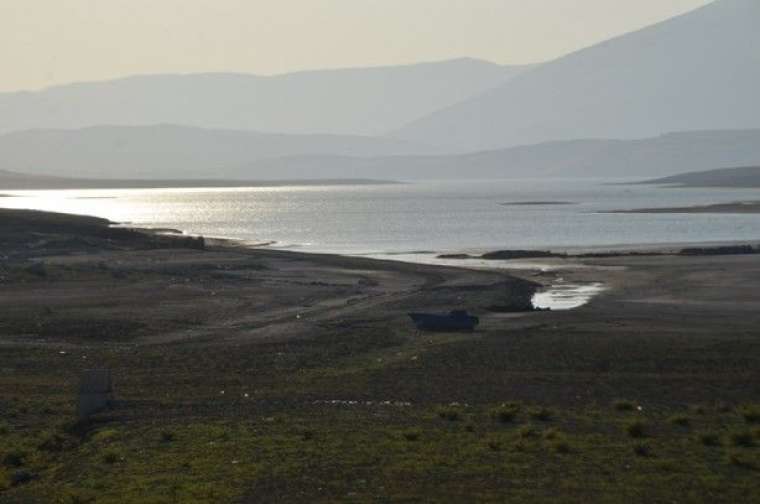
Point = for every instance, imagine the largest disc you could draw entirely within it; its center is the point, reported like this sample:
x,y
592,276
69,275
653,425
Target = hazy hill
x,y
747,176
172,152
650,157
697,71
167,151
362,101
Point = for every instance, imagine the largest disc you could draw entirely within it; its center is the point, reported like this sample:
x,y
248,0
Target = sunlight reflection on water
x,y
564,296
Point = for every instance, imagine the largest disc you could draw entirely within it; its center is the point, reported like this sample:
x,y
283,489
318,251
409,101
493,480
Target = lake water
x,y
408,219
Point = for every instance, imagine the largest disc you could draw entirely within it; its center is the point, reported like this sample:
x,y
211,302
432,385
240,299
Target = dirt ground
x,y
265,344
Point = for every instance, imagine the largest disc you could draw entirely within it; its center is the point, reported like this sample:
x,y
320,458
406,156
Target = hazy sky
x,y
47,42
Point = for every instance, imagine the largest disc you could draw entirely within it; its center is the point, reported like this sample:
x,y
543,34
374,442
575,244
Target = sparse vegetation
x,y
709,439
680,420
22,476
541,414
450,413
741,460
623,405
743,439
750,413
636,429
528,432
506,413
14,458
642,450
111,457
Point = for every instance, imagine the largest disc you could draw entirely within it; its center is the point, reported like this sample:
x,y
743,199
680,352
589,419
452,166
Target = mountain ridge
x,y
356,101
695,71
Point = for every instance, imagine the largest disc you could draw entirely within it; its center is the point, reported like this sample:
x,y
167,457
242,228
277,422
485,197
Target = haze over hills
x,y
663,155
697,71
360,101
174,152
167,151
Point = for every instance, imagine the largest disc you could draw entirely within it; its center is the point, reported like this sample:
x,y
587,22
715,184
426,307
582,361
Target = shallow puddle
x,y
566,296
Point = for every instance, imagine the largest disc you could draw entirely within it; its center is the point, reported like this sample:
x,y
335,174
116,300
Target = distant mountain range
x,y
599,112
662,155
698,71
166,151
174,152
746,176
360,101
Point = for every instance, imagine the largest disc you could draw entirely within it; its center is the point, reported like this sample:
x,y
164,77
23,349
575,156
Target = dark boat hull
x,y
443,323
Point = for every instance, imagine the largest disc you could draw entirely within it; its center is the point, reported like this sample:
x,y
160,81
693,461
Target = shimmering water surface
x,y
419,218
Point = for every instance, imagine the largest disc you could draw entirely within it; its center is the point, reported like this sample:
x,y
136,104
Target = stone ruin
x,y
95,392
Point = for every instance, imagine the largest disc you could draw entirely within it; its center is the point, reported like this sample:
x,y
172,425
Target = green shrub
x,y
743,439
55,442
699,409
528,432
552,434
642,450
636,429
111,457
680,420
541,414
739,460
722,407
750,413
22,476
14,458
520,446
560,446
709,439
450,413
412,435
623,405
506,413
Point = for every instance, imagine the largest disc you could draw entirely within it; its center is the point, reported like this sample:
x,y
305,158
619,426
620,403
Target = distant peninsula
x,y
738,207
742,177
20,181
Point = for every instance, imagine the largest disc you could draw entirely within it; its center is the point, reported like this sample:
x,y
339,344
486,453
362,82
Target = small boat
x,y
456,320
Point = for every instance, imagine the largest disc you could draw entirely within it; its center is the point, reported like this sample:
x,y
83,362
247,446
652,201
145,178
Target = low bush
x,y
450,413
22,476
750,413
111,457
709,439
506,413
14,458
743,439
642,450
636,429
680,420
623,405
541,414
